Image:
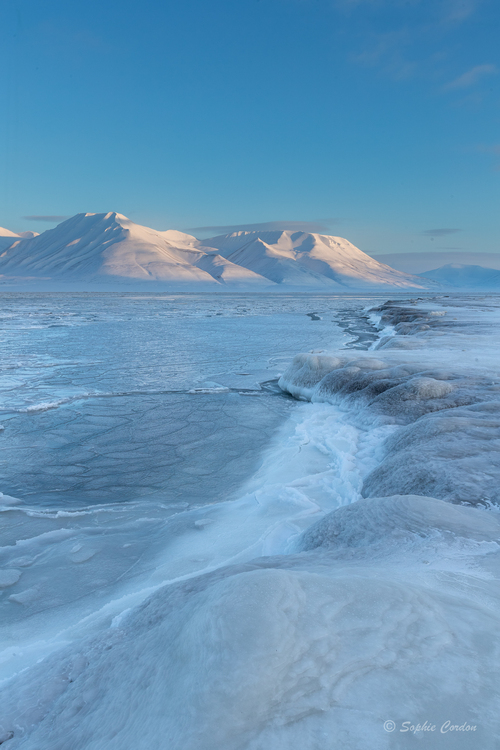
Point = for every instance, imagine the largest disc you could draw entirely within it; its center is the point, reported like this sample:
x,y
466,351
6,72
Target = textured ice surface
x,y
125,416
346,584
390,611
450,409
113,397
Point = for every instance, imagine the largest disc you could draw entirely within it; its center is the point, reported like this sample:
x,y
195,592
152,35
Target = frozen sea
x,y
209,542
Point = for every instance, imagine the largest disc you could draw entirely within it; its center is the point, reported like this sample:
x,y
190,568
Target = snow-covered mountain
x,y
25,235
7,237
463,276
110,248
7,233
420,263
302,259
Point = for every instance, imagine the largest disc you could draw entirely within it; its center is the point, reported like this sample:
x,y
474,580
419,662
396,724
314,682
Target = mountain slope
x,y
98,247
463,276
226,272
7,237
110,248
93,245
7,233
299,258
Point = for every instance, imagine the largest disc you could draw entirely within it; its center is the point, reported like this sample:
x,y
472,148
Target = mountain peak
x,y
110,246
7,233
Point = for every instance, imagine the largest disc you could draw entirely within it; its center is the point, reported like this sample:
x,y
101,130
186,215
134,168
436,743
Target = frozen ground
x,y
343,575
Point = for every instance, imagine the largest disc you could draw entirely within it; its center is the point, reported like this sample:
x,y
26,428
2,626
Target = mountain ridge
x,y
111,248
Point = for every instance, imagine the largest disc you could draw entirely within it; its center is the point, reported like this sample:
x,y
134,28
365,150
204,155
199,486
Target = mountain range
x,y
110,249
460,276
421,262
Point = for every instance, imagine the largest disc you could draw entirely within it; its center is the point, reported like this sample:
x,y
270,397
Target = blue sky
x,y
377,120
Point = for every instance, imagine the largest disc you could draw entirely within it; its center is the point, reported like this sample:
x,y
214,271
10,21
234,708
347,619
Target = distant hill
x,y
420,263
112,249
465,277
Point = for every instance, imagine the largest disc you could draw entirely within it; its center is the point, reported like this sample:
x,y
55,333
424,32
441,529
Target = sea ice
x,y
348,590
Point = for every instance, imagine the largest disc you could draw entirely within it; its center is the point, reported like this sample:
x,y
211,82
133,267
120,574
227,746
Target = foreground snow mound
x,y
461,276
309,650
111,248
400,519
299,258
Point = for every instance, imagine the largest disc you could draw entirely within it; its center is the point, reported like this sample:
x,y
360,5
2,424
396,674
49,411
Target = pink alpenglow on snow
x,y
111,249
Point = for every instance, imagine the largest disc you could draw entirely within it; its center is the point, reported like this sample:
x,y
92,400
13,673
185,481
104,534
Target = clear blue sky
x,y
378,120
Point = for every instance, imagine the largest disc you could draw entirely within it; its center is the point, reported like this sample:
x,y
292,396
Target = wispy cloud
x,y
457,11
51,219
439,232
269,226
492,149
388,51
409,39
472,76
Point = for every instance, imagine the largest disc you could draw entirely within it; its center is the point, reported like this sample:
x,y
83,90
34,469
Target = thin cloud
x,y
388,51
471,77
493,149
268,226
460,10
51,219
440,232
412,41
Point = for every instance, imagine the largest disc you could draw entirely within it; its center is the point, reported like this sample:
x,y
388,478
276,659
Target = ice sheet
x,y
349,583
395,622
